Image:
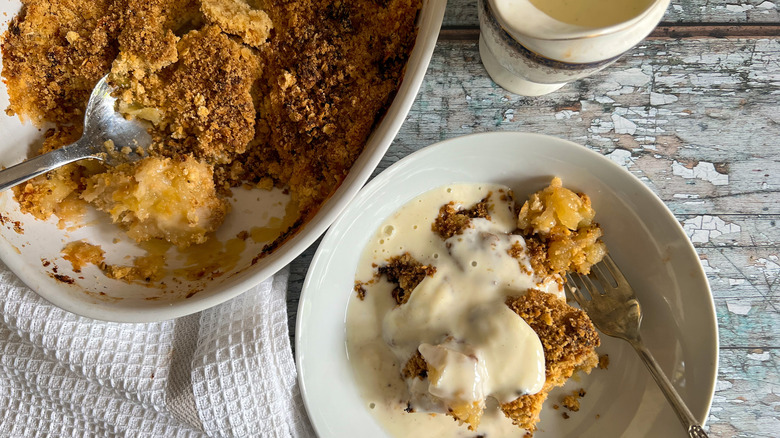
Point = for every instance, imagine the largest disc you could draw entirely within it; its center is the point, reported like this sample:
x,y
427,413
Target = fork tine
x,y
573,288
614,271
601,278
590,286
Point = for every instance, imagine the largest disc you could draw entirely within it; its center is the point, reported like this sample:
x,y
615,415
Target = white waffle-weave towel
x,y
226,371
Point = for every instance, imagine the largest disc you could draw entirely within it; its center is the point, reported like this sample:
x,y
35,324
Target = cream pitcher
x,y
534,47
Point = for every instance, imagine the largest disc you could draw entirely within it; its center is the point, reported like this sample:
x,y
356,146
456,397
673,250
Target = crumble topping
x,y
569,341
238,17
201,105
572,401
265,93
416,367
453,220
53,55
406,273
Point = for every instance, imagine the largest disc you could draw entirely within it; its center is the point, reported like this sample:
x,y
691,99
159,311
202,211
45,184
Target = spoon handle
x,y
43,163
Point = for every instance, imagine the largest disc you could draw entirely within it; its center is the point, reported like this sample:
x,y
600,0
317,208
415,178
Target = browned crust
x,y
416,366
406,273
452,221
568,340
572,401
296,110
360,290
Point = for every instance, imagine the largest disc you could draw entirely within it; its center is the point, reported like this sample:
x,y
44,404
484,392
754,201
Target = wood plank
x,y
681,30
463,13
757,316
732,231
739,273
745,401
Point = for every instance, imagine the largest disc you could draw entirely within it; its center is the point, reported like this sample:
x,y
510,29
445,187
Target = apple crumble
x,y
265,92
461,290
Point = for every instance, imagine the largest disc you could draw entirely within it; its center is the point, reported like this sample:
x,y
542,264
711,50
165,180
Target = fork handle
x,y
690,423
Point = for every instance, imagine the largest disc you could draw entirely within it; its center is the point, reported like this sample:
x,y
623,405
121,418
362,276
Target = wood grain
x,y
697,120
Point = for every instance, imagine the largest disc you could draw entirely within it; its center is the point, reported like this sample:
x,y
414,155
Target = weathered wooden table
x,y
694,112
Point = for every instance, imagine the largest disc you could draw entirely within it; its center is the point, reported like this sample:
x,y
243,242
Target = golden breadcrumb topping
x,y
201,105
264,92
406,273
238,17
54,52
416,367
572,401
148,32
568,340
329,71
452,220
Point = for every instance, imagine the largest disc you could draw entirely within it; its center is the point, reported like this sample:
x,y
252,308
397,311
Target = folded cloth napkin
x,y
226,371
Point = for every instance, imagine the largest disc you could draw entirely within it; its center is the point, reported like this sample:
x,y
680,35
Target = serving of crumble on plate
x,y
639,231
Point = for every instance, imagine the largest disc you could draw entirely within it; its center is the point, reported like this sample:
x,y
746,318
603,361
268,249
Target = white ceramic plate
x,y
643,236
94,295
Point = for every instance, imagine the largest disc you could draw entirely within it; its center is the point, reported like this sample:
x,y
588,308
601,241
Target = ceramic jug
x,y
527,51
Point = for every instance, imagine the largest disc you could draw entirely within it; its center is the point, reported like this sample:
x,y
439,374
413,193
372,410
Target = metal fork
x,y
614,309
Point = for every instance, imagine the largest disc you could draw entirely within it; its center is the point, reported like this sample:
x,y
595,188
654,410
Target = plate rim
x,y
520,136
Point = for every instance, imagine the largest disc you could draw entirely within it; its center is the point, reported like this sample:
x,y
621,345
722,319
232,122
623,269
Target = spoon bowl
x,y
108,136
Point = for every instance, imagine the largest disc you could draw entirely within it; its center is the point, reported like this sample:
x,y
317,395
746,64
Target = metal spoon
x,y
108,137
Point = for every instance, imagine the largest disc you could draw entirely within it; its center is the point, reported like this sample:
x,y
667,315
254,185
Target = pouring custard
x,y
592,13
458,325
